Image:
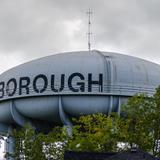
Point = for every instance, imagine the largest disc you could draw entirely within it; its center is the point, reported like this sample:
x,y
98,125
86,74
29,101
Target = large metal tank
x,y
54,88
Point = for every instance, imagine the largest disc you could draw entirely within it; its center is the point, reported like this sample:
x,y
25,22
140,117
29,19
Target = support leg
x,y
17,117
64,118
9,148
9,145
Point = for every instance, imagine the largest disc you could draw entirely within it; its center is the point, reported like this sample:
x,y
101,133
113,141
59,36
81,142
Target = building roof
x,y
129,155
71,155
125,155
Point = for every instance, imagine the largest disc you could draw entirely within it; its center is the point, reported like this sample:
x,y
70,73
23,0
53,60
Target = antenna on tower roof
x,y
89,12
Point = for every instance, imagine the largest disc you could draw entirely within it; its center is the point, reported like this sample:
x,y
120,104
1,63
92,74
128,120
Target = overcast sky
x,y
31,29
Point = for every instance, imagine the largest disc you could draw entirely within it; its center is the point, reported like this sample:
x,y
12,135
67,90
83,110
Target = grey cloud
x,y
36,28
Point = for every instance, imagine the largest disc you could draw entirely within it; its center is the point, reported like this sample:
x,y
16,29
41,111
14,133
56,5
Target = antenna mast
x,y
89,29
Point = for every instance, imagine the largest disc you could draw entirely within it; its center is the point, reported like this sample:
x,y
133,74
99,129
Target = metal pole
x,y
89,29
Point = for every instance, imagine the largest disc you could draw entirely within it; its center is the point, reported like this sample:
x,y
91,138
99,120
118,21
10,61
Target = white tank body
x,y
78,83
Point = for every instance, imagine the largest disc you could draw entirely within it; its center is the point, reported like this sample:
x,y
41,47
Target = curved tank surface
x,y
56,87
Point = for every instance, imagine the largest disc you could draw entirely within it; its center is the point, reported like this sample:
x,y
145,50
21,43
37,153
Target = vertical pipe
x,y
9,147
110,104
10,144
119,105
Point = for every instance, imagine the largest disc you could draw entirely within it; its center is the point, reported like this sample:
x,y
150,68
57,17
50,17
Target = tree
x,y
28,145
97,132
155,121
137,125
141,116
32,146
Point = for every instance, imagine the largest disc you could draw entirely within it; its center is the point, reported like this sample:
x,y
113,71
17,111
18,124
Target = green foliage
x,y
95,132
139,124
135,124
155,121
32,146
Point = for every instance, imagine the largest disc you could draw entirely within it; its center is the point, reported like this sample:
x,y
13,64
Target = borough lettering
x,y
76,82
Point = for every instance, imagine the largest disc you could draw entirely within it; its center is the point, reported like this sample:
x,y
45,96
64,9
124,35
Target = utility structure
x,y
53,89
89,13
